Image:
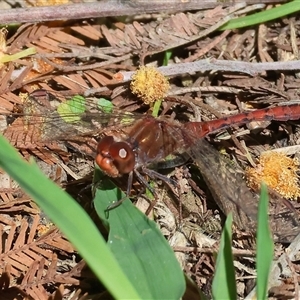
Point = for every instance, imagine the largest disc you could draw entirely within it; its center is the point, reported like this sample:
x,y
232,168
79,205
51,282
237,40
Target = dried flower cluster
x,y
278,171
149,84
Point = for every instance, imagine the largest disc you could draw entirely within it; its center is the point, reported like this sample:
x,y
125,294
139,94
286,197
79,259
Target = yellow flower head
x,y
278,171
149,84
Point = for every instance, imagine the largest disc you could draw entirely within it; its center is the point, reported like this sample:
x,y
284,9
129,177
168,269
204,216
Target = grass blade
x,y
265,246
264,16
224,285
73,221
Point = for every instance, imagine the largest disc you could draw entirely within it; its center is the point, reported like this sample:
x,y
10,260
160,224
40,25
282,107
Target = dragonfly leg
x,y
144,182
129,186
170,182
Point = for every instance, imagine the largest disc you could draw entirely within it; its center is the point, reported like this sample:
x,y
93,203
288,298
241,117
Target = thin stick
x,y
109,8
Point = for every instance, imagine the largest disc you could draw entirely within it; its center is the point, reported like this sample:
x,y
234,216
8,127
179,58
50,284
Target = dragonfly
x,y
131,144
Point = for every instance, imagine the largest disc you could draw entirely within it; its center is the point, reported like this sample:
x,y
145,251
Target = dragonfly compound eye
x,y
105,144
123,157
104,159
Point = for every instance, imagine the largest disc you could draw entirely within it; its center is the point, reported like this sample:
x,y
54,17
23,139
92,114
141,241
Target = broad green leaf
x,y
138,245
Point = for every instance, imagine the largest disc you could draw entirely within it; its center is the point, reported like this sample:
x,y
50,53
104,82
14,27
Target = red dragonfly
x,y
134,143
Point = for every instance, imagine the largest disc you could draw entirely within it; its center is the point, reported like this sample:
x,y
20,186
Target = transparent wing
x,y
50,117
231,193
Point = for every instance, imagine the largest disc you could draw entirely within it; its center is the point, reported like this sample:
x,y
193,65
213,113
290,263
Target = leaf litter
x,y
74,58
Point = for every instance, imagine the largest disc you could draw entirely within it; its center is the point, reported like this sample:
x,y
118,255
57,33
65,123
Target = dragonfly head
x,y
115,158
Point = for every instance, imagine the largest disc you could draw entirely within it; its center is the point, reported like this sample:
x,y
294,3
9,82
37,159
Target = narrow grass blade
x,y
224,285
265,246
264,16
73,221
167,56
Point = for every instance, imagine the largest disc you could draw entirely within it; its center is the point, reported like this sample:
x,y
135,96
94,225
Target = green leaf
x,y
71,110
105,105
156,108
224,285
264,16
167,56
138,245
70,217
24,53
265,246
